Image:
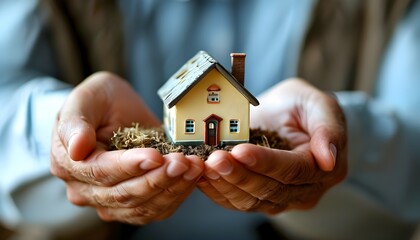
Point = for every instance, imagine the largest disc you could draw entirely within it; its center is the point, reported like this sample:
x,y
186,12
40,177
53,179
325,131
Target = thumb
x,y
78,119
77,135
325,148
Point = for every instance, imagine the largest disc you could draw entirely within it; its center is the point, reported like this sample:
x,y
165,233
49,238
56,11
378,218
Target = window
x,y
213,94
213,97
234,126
189,126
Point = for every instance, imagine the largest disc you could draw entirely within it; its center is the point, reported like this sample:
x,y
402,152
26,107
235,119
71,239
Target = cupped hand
x,y
255,178
135,186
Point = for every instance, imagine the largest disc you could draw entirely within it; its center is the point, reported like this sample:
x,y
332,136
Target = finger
x,y
247,190
244,201
317,114
229,196
174,194
257,185
324,149
158,207
196,168
79,118
330,152
142,214
327,131
141,218
60,164
212,193
76,134
107,215
118,110
97,107
107,168
137,190
287,167
164,204
329,140
238,198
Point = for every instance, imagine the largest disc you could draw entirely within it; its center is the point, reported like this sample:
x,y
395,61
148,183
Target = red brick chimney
x,y
238,66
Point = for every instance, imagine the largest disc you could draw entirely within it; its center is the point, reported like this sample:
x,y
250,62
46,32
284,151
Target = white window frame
x,y
213,97
234,126
190,126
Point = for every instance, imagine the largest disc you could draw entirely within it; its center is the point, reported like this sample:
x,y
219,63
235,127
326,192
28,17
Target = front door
x,y
211,136
211,133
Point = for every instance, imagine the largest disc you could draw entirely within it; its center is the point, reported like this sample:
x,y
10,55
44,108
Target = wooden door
x,y
211,133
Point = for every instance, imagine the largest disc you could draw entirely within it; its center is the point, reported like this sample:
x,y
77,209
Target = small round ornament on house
x,y
206,108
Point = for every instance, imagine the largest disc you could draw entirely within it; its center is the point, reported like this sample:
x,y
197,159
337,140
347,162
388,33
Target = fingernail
x,y
212,174
249,161
193,173
176,168
333,151
148,164
224,167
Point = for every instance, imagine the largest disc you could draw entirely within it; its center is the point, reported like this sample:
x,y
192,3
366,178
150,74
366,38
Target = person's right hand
x,y
256,178
135,186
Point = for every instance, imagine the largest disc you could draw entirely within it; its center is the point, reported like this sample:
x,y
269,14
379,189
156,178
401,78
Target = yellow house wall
x,y
232,105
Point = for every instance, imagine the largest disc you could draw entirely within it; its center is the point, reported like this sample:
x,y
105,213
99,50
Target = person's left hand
x,y
135,186
255,178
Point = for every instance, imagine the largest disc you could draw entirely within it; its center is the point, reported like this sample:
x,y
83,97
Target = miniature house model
x,y
205,103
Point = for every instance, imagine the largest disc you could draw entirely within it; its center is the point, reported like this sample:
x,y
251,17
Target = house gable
x,y
229,97
194,105
204,103
191,73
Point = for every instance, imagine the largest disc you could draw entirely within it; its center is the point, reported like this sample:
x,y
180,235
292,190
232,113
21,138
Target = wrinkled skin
x,y
135,186
254,178
138,186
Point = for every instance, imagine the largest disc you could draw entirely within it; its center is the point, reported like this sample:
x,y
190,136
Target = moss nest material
x,y
140,137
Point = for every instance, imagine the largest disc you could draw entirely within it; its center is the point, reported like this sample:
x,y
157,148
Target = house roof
x,y
191,73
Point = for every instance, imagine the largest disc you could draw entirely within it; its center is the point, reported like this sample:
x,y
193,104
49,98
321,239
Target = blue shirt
x,y
160,37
